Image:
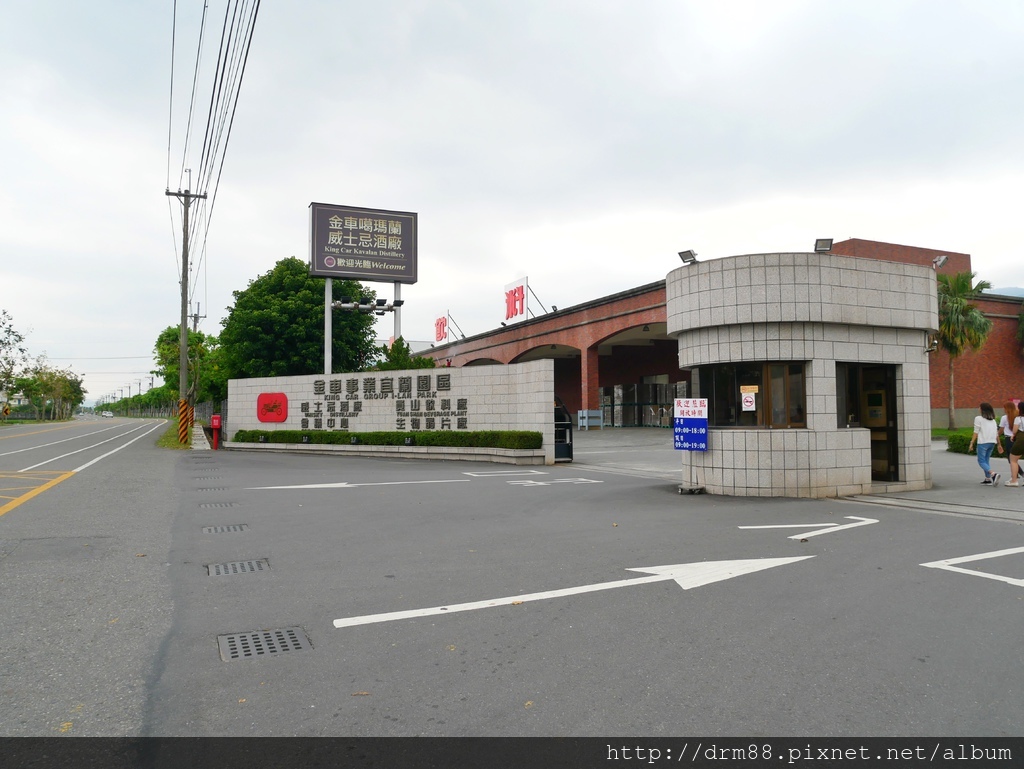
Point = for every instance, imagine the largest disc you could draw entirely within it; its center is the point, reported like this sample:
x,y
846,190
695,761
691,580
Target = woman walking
x,y
1006,426
1016,448
986,438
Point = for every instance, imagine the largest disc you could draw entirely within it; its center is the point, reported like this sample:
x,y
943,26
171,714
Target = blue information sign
x,y
690,424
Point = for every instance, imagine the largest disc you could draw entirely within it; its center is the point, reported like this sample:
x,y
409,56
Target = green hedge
x,y
958,443
491,439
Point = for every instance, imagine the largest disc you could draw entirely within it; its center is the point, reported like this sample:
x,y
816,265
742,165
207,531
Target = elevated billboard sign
x,y
517,300
362,243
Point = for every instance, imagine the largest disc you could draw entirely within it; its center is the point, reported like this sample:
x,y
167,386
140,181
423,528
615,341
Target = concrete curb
x,y
452,453
199,442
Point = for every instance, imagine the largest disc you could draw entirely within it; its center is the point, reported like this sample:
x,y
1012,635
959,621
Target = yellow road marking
x,y
48,484
37,432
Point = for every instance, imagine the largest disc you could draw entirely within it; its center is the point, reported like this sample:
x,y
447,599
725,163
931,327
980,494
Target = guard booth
x,y
563,432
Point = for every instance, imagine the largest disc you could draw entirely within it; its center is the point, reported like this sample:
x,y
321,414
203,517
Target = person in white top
x,y
1006,426
1016,448
986,438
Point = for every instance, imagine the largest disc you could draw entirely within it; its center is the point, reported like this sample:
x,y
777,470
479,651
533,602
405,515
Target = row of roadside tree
x,y
274,328
50,392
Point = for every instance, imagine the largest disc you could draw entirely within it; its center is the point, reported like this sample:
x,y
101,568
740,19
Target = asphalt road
x,y
115,621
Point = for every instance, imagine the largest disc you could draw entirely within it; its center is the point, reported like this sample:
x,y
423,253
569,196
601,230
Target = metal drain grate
x,y
209,505
238,567
214,488
261,643
235,527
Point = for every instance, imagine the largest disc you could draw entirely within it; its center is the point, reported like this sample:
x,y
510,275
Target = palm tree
x,y
961,324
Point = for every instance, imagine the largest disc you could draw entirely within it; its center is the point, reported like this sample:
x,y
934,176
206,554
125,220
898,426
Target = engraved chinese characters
x,y
421,402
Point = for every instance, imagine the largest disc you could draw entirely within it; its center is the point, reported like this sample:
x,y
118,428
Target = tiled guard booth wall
x,y
513,397
817,309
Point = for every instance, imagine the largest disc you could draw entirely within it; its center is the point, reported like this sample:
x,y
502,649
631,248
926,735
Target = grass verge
x,y
169,439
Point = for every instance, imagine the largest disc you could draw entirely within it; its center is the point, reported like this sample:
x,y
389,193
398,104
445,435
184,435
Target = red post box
x,y
215,426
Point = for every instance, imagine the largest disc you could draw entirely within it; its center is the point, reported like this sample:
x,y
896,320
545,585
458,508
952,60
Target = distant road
x,y
36,457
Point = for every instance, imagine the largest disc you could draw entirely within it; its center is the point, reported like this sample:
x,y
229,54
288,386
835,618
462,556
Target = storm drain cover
x,y
214,488
262,643
209,505
238,567
235,527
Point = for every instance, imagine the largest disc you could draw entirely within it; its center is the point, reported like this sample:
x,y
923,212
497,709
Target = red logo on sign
x,y
272,407
441,329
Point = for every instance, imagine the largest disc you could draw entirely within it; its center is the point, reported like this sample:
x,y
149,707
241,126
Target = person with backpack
x,y
986,438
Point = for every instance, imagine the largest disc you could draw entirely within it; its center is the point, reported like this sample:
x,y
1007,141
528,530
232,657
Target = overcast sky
x,y
581,144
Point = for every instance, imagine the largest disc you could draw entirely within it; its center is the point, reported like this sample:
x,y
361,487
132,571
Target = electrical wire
x,y
237,69
208,210
232,56
170,104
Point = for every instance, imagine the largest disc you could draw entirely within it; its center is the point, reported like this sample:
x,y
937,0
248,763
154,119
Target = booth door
x,y
868,399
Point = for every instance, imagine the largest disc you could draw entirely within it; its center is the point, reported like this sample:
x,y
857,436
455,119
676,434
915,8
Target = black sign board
x,y
362,243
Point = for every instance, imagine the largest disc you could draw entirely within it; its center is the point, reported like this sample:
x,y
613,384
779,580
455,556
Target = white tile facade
x,y
819,309
514,397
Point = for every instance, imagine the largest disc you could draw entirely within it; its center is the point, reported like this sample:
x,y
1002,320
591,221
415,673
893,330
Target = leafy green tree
x,y
58,391
962,325
29,387
12,354
205,367
276,326
399,356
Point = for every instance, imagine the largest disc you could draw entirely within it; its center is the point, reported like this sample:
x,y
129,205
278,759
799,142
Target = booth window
x,y
777,389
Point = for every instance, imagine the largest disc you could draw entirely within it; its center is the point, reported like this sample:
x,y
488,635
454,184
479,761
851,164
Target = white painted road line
x,y
54,443
552,482
100,443
829,527
787,526
123,446
346,485
496,473
687,575
950,565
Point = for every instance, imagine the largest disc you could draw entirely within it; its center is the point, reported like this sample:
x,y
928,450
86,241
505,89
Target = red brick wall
x,y
995,373
892,252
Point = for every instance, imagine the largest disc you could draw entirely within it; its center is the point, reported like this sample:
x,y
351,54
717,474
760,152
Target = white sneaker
x,y
1011,483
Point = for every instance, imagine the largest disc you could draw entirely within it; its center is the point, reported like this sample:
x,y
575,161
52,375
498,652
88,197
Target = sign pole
x,y
328,325
398,310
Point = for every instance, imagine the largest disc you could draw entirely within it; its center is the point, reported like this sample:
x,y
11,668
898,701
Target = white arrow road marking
x,y
787,526
687,575
948,565
548,483
495,473
346,485
829,527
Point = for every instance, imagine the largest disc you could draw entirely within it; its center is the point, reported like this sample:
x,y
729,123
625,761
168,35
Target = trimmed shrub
x,y
492,439
958,443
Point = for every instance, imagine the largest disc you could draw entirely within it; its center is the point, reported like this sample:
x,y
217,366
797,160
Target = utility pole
x,y
186,200
196,317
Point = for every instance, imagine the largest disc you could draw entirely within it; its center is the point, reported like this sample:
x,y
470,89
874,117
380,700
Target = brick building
x,y
614,353
995,373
